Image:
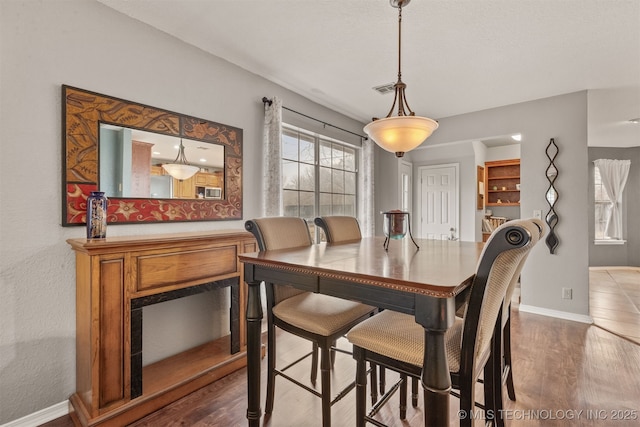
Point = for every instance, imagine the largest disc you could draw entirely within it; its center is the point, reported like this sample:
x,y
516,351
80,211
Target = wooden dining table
x,y
422,282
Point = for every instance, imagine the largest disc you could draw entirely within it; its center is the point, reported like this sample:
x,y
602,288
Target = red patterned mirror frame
x,y
82,113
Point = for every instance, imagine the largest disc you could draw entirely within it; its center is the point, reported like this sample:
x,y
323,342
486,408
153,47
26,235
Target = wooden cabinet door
x,y
184,189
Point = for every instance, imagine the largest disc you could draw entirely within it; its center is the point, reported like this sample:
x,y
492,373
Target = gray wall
x,y
85,44
629,253
565,119
386,179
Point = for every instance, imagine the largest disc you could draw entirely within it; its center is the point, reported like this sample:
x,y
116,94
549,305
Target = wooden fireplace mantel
x,y
115,278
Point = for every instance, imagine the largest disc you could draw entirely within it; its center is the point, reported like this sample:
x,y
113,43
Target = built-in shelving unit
x,y
502,178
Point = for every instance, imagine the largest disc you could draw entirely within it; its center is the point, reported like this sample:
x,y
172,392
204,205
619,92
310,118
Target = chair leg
x,y
271,368
414,392
382,380
467,402
333,355
495,376
325,377
374,382
361,386
491,372
511,391
314,363
403,396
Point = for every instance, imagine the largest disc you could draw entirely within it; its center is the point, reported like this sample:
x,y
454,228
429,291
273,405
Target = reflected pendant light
x,y
405,131
180,168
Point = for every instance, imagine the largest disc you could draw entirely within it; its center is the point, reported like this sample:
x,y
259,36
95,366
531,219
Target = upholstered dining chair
x,y
336,229
321,319
502,344
502,339
396,341
343,229
339,228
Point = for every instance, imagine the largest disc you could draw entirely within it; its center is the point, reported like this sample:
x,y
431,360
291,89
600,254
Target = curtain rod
x,y
266,100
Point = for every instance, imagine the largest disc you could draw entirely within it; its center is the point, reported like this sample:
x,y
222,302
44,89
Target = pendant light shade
x,y
400,134
404,131
180,169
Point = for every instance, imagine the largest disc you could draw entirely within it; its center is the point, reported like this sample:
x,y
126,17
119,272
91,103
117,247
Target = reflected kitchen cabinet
x,y
205,179
184,189
140,169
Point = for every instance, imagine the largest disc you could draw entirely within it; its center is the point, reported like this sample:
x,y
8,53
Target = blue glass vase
x,y
97,204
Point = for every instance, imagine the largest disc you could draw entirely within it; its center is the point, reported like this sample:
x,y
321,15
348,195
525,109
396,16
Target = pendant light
x,y
405,131
180,168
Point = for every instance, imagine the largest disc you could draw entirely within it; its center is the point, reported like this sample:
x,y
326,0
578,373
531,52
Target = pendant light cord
x,y
399,42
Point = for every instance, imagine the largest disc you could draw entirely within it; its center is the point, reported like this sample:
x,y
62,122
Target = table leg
x,y
254,320
436,380
436,315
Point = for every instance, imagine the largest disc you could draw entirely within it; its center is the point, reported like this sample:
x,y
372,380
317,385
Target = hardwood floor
x,y
614,301
565,373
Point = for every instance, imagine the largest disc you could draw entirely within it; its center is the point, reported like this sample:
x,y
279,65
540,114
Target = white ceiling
x,y
458,56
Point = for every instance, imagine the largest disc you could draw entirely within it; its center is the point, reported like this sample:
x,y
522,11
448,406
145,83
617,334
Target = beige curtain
x,y
271,163
366,206
614,174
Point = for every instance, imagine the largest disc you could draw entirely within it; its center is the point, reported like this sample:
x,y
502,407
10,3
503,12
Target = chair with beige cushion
x,y
503,334
339,228
321,319
396,341
345,229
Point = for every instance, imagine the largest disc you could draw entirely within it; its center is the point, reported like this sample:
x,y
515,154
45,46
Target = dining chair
x,y
503,334
502,338
339,228
321,319
343,229
396,341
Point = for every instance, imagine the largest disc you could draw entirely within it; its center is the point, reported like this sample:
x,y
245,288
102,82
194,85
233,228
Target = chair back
x,y
339,229
281,232
501,258
539,229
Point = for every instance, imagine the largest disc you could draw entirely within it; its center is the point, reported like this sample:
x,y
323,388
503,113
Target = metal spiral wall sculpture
x,y
552,196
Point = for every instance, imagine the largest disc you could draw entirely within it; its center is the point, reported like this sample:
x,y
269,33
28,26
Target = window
x,y
319,175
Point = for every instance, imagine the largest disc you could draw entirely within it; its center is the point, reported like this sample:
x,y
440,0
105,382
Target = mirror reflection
x,y
551,196
131,165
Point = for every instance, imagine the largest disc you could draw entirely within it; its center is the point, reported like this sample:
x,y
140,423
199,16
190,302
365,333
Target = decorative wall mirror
x,y
119,147
552,196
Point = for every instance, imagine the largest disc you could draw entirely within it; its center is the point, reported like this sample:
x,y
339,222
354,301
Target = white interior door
x,y
406,178
439,201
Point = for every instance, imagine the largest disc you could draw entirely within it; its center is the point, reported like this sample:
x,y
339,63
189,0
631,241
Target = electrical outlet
x,y
537,214
567,293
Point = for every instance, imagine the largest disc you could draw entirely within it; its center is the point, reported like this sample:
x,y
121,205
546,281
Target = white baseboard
x,y
582,318
621,267
42,416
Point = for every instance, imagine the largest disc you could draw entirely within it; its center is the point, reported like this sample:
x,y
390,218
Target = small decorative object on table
x,y
97,215
395,226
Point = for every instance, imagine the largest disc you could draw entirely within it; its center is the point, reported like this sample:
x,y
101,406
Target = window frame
x,y
319,167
